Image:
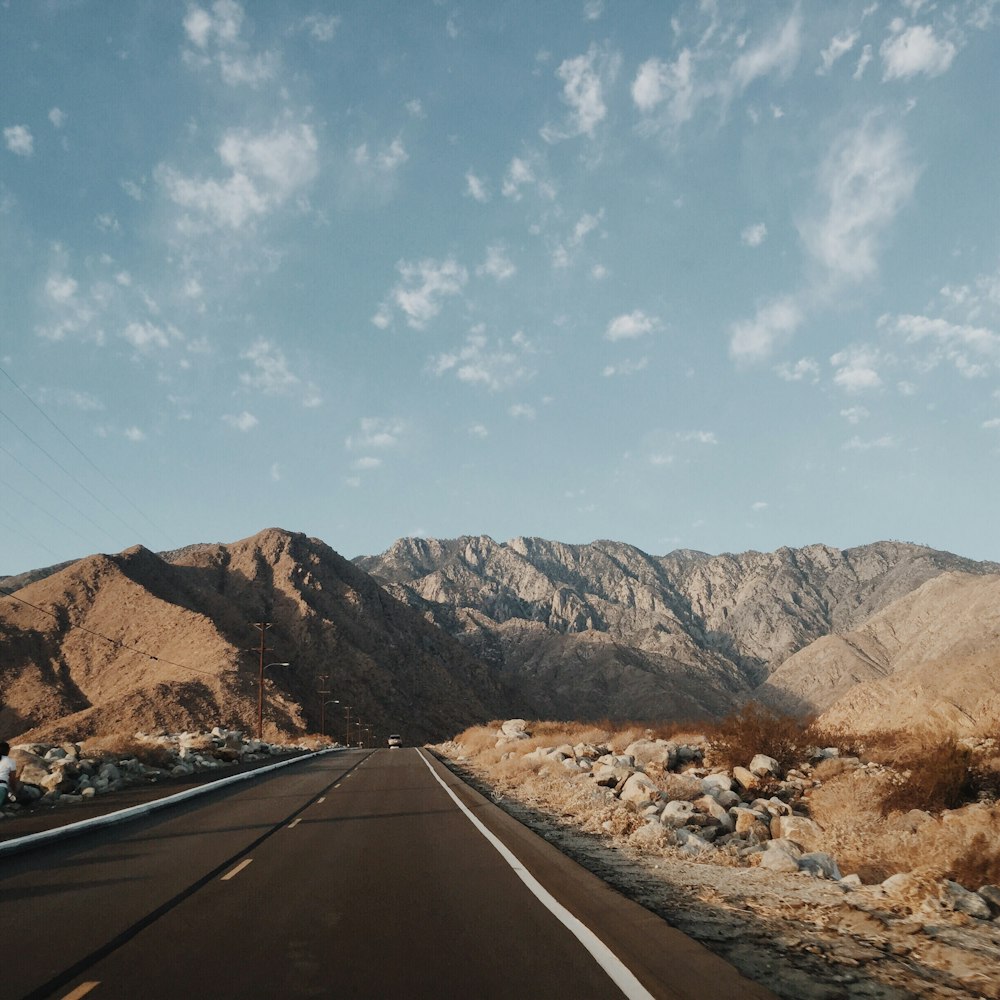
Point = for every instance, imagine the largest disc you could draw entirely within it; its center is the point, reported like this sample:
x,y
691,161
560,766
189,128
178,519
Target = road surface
x,y
353,875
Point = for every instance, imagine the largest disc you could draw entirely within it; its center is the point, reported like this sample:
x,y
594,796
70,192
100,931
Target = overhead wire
x,y
59,464
56,493
86,457
117,643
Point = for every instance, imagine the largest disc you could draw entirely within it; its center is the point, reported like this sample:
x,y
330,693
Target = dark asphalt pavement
x,y
350,875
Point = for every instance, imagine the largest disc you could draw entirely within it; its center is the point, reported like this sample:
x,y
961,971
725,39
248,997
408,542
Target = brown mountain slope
x,y
192,610
932,657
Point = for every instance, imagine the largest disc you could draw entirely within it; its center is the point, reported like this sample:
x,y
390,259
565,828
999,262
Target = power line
x,y
86,457
117,643
57,494
56,462
24,531
28,499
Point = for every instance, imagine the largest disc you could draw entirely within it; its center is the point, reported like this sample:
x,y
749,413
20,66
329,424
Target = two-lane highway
x,y
353,875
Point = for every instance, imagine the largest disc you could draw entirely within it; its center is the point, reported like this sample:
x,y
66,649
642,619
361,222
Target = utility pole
x,y
347,738
262,627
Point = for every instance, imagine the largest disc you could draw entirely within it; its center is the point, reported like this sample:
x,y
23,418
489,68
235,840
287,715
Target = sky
x,y
709,275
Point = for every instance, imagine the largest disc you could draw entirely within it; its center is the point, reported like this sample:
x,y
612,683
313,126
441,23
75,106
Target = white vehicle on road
x,y
395,741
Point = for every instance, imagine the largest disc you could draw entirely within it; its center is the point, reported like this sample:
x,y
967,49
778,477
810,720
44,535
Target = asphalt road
x,y
355,875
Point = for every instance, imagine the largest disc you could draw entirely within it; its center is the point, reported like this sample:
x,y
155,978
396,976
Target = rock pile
x,y
66,773
753,815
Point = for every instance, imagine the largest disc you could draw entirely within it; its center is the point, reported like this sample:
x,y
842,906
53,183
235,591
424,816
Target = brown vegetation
x,y
756,729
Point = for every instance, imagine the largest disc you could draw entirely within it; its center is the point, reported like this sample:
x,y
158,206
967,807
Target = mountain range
x,y
433,635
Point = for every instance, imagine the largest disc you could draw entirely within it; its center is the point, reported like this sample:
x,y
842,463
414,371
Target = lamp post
x,y
260,695
347,735
322,713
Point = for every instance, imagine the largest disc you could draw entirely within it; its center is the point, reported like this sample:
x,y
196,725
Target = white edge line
x,y
295,822
135,812
233,872
616,969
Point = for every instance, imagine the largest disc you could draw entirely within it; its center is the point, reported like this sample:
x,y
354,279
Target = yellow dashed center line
x,y
81,991
233,872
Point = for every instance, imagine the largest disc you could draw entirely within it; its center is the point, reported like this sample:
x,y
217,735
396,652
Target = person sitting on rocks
x,y
8,773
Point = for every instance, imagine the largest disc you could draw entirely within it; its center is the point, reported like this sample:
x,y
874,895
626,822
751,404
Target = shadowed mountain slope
x,y
192,611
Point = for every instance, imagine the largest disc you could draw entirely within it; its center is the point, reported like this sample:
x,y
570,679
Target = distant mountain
x,y
931,657
192,611
606,629
431,635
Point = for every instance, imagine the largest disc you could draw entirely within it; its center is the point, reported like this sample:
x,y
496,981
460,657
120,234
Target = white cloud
x,y
270,371
497,365
698,437
660,459
563,254
948,341
376,433
593,10
658,82
521,173
385,161
625,367
57,117
582,79
754,340
522,411
275,473
475,187
759,505
628,326
497,264
839,46
242,422
135,434
133,190
215,33
144,336
855,414
264,171
60,288
366,463
857,444
856,371
777,55
424,286
19,140
863,60
321,27
479,431
864,181
754,235
991,425
804,368
915,50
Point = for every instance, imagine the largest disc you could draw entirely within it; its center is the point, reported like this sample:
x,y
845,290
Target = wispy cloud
x,y
774,322
376,433
495,365
422,290
754,235
856,369
631,325
241,421
498,264
583,79
915,50
269,372
19,140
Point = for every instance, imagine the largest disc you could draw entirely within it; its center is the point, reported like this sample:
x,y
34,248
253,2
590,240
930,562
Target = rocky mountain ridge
x,y
684,635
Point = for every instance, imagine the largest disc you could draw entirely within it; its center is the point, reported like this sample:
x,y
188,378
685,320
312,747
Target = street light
x,y
260,695
322,713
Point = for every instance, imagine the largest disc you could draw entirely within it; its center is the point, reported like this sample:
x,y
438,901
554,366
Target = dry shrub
x,y
476,739
979,865
940,777
756,729
119,747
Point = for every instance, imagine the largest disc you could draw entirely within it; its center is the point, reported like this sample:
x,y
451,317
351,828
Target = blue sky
x,y
709,275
